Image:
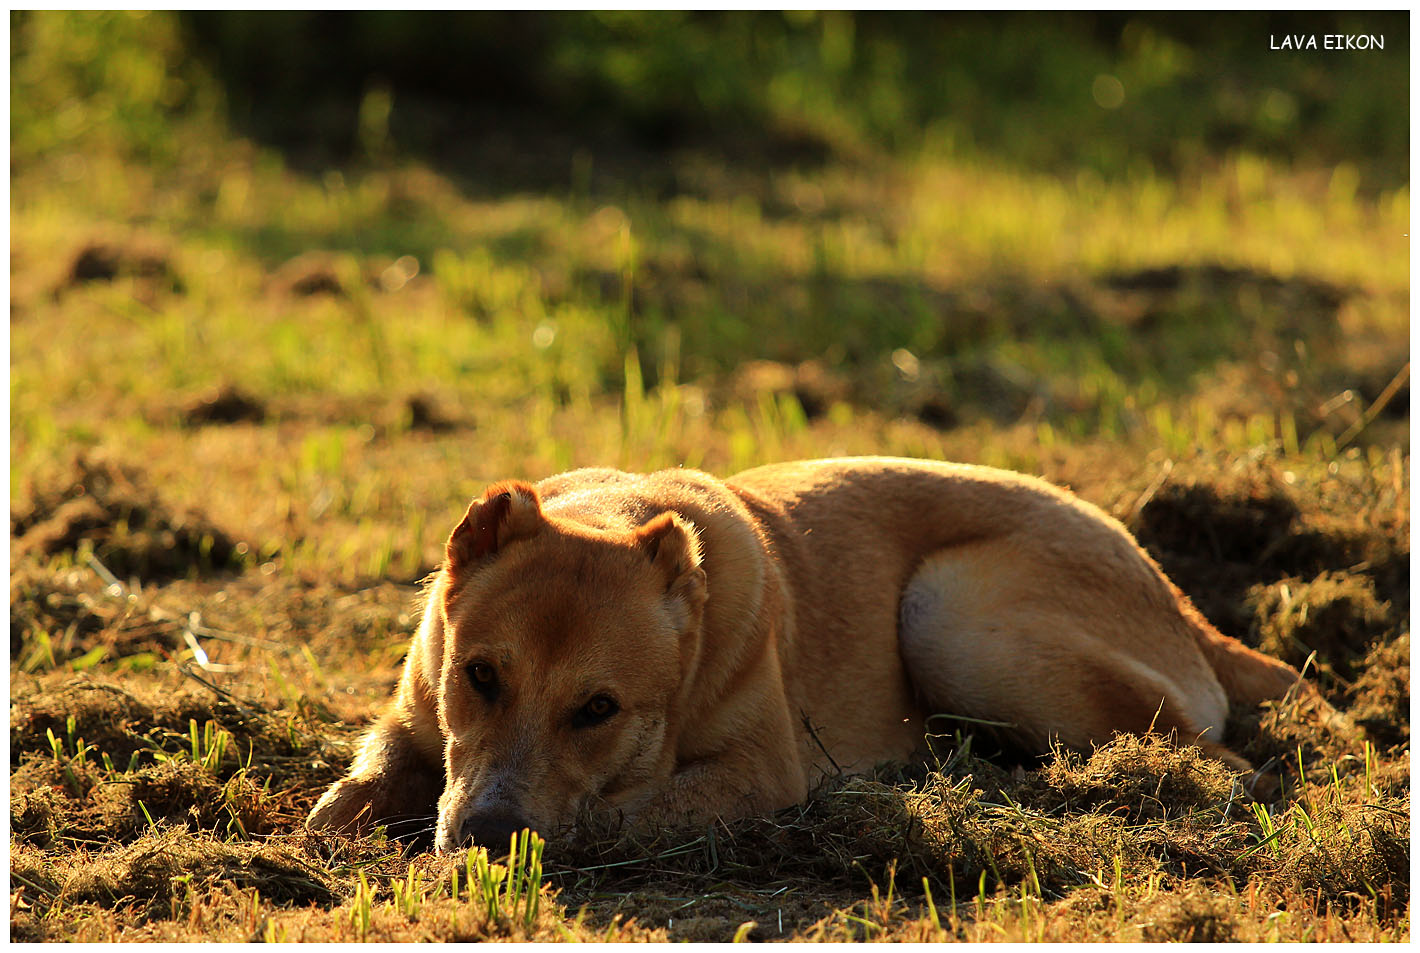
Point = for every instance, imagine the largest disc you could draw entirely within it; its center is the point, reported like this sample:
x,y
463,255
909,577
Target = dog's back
x,y
1009,600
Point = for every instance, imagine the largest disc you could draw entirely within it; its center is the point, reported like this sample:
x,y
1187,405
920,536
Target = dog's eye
x,y
484,679
599,709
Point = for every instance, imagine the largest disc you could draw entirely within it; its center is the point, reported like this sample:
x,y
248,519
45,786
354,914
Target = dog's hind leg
x,y
990,631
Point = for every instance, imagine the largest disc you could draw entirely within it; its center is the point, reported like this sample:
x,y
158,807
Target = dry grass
x,y
163,802
247,404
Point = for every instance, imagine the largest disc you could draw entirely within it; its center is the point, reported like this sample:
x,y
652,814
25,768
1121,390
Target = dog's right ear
x,y
672,544
506,511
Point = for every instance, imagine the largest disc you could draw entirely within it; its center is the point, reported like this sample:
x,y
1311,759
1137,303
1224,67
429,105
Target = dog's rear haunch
x,y
670,648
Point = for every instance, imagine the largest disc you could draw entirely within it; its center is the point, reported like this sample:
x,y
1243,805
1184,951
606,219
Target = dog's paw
x,y
348,806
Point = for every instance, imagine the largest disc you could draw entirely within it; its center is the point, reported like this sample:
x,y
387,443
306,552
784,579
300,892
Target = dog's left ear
x,y
672,544
506,511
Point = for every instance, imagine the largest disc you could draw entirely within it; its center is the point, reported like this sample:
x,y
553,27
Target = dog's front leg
x,y
398,774
707,790
390,780
737,785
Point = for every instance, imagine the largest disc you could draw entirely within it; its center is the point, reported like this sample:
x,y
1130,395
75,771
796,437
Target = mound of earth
x,y
106,509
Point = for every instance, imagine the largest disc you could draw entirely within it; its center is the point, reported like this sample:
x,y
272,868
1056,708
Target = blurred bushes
x,y
109,82
1101,90
1107,91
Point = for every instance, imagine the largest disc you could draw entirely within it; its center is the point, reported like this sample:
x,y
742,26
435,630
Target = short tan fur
x,y
672,647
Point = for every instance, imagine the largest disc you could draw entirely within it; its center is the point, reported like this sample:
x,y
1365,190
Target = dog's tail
x,y
1248,677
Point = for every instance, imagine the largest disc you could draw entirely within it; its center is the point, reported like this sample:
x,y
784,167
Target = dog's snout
x,y
491,829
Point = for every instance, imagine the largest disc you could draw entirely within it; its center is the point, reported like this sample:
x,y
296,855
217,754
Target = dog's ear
x,y
506,511
672,544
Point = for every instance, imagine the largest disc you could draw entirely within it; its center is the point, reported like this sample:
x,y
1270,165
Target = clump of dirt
x,y
106,508
227,404
164,888
1353,855
1154,807
104,715
51,603
857,828
1140,779
1148,800
323,272
845,828
52,801
1213,540
853,819
184,793
1191,916
77,613
1380,696
1242,523
422,412
1145,801
103,259
308,274
1295,293
966,832
64,799
34,881
1337,615
49,801
160,869
118,722
1303,726
37,810
1220,538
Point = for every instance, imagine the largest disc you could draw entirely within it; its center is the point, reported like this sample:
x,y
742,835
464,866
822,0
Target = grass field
x,y
248,402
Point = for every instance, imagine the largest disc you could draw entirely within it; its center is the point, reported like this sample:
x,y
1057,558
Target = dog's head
x,y
565,648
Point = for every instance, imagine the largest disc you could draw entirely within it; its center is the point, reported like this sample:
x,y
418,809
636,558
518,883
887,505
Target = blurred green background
x,y
659,237
1109,92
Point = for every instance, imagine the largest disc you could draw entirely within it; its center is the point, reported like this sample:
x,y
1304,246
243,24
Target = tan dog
x,y
676,648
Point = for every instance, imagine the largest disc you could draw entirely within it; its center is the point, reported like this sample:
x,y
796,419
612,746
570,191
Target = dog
x,y
672,648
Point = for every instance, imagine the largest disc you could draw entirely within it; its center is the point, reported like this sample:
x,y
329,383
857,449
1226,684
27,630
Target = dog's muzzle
x,y
492,829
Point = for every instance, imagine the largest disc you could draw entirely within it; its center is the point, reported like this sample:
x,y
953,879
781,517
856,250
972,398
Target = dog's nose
x,y
491,829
